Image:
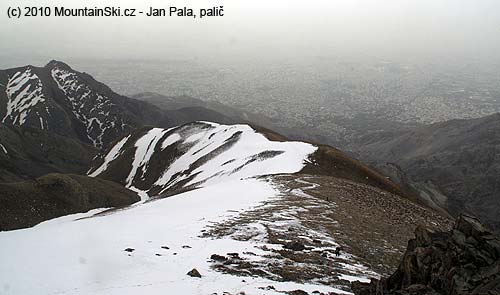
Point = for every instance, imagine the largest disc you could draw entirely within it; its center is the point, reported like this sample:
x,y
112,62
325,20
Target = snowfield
x,y
150,247
71,255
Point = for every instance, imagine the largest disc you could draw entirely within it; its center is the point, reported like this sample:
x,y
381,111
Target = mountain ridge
x,y
73,104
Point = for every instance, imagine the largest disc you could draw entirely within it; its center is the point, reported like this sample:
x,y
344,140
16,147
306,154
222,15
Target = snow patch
x,y
3,148
24,92
112,154
170,140
145,147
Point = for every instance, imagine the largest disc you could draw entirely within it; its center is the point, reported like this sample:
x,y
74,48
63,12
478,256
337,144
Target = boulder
x,y
295,246
194,273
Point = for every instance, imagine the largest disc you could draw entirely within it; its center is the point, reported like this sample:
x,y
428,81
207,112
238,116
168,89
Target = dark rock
x,y
186,247
165,247
463,261
129,250
270,287
217,257
234,255
194,273
295,246
298,292
470,226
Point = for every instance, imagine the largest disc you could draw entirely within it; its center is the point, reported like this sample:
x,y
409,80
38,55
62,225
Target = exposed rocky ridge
x,y
329,161
166,161
27,153
316,215
465,260
454,164
28,203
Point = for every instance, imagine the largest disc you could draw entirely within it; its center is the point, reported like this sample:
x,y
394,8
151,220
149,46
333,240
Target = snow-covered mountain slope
x,y
257,236
25,98
159,161
162,237
241,231
71,255
59,99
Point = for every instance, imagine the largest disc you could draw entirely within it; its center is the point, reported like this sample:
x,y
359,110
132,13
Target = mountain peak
x,y
56,63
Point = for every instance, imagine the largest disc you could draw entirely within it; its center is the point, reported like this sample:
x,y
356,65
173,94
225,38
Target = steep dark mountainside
x,y
454,164
28,203
465,260
58,99
27,153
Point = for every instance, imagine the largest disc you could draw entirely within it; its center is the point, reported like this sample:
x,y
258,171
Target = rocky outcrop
x,y
465,260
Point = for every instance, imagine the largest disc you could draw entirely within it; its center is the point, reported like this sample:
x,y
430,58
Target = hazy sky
x,y
257,29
